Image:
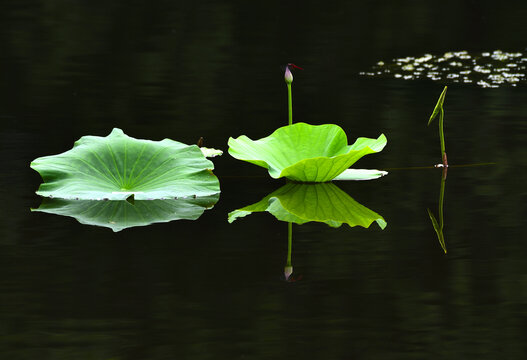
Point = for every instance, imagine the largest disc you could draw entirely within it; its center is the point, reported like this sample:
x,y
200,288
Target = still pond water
x,y
207,289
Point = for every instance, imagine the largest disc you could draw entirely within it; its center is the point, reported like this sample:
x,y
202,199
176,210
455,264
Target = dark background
x,y
209,289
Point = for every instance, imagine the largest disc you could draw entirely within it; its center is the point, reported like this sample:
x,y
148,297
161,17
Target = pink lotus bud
x,y
288,76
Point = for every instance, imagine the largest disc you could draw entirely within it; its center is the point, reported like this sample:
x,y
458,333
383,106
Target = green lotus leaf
x,y
360,174
301,203
209,152
117,167
119,215
303,152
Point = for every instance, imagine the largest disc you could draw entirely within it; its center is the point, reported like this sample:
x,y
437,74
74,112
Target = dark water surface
x,y
207,289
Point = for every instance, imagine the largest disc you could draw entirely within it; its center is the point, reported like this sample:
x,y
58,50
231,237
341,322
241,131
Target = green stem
x,y
289,242
442,136
290,104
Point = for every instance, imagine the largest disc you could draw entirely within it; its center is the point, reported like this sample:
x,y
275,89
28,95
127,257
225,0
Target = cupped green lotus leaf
x,y
119,215
302,203
117,167
303,152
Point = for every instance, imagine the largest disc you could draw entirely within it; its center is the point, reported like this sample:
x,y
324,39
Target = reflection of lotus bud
x,y
288,75
288,271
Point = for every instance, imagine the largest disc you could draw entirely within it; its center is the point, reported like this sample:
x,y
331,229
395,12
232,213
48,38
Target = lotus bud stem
x,y
288,76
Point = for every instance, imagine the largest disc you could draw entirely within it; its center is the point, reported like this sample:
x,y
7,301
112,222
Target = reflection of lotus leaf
x,y
304,152
301,203
118,166
119,215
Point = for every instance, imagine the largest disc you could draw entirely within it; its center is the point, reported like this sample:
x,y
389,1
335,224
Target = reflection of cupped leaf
x,y
118,166
119,215
301,203
304,152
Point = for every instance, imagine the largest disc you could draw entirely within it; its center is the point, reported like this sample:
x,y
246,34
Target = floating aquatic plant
x,y
307,153
439,110
488,69
119,215
302,203
119,167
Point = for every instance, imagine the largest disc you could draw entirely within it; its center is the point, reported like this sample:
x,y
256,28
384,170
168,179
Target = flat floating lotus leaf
x,y
118,166
303,152
119,215
301,203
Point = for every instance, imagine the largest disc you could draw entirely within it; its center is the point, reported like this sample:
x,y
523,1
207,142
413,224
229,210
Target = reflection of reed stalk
x,y
438,226
439,110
